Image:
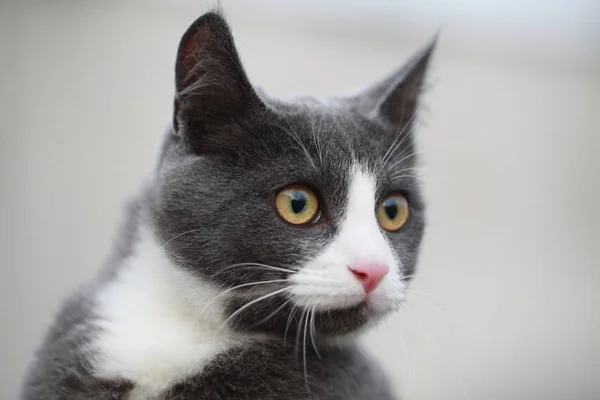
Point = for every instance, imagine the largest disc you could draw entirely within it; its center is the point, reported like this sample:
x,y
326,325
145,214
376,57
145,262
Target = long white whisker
x,y
178,236
254,264
296,138
312,331
238,287
316,138
304,352
412,154
268,317
405,170
406,176
298,333
413,276
289,321
406,137
238,311
395,145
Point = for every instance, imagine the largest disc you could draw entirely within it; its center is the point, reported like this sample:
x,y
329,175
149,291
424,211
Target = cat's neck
x,y
156,322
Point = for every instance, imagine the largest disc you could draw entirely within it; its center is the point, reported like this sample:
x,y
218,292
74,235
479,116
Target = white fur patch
x,y
326,283
158,324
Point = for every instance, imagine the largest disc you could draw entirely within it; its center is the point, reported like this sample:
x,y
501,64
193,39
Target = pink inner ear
x,y
369,274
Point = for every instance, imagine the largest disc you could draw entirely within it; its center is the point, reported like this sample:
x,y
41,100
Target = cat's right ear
x,y
213,93
395,98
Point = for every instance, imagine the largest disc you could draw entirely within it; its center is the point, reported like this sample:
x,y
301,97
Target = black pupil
x,y
298,202
390,207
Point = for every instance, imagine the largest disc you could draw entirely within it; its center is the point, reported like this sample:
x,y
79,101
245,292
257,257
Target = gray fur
x,y
230,150
268,371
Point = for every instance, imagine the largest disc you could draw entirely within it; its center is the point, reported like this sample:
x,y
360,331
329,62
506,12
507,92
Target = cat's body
x,y
248,367
210,294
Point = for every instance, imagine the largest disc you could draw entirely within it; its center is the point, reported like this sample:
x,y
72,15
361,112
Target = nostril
x,y
361,276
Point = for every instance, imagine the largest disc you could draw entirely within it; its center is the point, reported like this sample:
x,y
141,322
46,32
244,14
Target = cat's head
x,y
296,212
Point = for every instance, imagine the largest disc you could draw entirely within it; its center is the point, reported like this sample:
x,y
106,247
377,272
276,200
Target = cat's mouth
x,y
286,317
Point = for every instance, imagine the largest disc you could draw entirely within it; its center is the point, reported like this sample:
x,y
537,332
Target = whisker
x,y
272,314
405,170
406,137
238,311
410,169
255,264
298,333
393,177
296,138
238,287
312,331
412,154
178,236
316,138
393,147
287,326
405,277
304,352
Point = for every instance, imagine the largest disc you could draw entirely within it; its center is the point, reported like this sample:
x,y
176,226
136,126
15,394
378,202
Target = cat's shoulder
x,y
62,366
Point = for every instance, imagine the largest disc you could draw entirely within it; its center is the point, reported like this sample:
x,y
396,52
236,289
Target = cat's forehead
x,y
330,125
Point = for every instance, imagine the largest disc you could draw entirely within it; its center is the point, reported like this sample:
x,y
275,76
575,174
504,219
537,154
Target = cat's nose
x,y
369,274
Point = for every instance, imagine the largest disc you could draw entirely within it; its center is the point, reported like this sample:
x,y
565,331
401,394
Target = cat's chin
x,y
351,319
331,322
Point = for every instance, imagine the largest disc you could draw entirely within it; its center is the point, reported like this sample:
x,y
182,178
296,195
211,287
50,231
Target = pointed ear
x,y
212,89
395,98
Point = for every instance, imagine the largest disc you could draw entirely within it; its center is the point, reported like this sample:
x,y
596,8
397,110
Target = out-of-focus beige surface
x,y
507,306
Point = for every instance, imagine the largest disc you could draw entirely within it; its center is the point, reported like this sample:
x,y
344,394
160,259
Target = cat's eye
x,y
393,212
297,204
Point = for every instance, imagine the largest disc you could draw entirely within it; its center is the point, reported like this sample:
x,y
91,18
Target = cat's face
x,y
300,213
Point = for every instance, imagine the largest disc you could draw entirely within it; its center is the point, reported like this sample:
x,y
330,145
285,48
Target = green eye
x,y
297,204
393,212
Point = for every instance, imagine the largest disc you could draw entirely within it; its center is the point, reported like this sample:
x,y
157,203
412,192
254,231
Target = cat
x,y
268,235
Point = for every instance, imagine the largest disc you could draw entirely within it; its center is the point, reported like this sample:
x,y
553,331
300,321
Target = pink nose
x,y
369,274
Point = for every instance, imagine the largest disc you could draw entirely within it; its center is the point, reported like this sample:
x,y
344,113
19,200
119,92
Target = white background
x,y
507,303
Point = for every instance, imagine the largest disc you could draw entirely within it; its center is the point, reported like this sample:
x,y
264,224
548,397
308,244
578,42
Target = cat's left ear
x,y
395,99
213,94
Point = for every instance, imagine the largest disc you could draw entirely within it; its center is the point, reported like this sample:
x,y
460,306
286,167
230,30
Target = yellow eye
x,y
393,212
297,204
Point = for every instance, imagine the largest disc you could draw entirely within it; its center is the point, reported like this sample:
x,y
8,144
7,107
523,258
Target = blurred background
x,y
507,305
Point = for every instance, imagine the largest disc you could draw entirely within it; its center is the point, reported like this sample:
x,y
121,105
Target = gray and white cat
x,y
268,233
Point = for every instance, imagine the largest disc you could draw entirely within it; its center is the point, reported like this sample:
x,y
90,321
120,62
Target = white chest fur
x,y
158,324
